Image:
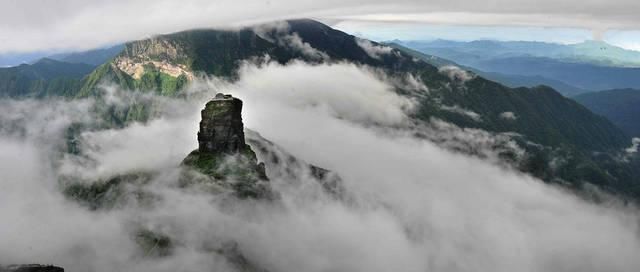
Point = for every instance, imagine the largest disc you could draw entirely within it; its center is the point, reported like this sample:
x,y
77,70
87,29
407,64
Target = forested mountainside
x,y
622,107
563,141
47,77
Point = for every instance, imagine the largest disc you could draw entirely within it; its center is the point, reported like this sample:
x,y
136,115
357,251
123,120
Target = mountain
x,y
563,141
221,139
46,77
93,57
549,126
585,76
510,80
589,52
622,107
571,69
15,59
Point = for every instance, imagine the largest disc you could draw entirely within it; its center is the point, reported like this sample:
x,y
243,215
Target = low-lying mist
x,y
412,205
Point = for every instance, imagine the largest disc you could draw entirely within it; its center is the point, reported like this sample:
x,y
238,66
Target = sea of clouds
x,y
412,205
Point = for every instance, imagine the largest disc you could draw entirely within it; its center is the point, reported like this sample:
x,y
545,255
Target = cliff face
x,y
221,128
223,161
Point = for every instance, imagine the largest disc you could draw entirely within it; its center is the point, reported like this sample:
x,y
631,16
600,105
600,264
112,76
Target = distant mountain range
x,y
564,141
47,77
513,81
571,69
54,75
622,107
93,57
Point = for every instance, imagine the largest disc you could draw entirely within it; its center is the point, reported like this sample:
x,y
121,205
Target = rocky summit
x,y
221,128
223,161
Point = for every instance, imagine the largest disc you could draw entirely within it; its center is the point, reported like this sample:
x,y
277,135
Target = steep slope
x,y
622,107
43,78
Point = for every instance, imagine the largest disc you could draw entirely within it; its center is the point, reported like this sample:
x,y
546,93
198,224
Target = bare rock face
x,y
30,268
221,128
223,158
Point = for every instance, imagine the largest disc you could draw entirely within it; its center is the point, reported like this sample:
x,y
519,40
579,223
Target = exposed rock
x,y
156,53
221,128
223,156
30,268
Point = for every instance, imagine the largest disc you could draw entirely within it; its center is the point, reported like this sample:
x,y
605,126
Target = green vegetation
x,y
109,193
42,79
239,172
160,83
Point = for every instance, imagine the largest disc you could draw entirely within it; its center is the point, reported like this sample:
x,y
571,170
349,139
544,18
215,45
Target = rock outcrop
x,y
221,128
223,158
30,268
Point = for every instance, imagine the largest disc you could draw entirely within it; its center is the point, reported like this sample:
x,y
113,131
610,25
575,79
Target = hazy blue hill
x,y
592,52
44,78
587,66
602,53
586,76
509,80
515,81
15,59
93,57
622,107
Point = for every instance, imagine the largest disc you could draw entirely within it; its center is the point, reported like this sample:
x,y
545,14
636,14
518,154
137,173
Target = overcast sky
x,y
37,25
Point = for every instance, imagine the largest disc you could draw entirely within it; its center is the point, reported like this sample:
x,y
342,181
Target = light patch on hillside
x,y
457,109
635,143
373,50
508,115
456,74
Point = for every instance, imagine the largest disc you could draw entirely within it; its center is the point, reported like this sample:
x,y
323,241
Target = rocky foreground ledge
x,y
30,268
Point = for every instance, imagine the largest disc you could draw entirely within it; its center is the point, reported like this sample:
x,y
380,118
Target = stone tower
x,y
221,128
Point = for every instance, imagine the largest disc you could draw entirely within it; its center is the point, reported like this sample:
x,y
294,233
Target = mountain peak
x,y
221,128
223,157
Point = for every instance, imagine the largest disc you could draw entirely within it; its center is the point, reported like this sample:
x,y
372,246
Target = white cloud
x,y
278,32
374,51
635,143
414,205
30,25
456,74
508,115
342,90
457,109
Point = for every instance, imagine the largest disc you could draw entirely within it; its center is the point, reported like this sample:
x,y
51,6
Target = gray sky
x,y
31,25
